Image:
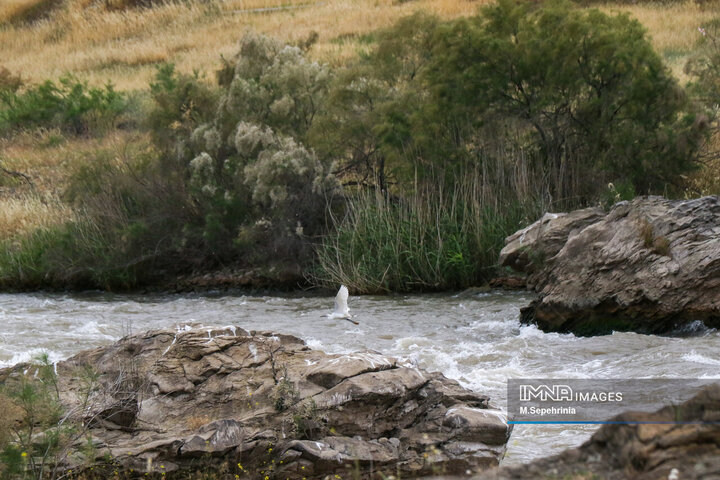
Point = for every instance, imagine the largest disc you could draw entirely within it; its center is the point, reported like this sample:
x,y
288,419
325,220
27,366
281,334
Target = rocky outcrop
x,y
651,265
655,448
263,404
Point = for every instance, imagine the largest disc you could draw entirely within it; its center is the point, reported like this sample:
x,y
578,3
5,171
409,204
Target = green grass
x,y
76,254
428,240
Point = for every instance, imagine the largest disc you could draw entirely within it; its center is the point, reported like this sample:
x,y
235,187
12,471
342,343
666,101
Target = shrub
x,y
307,422
44,438
138,210
126,228
180,103
260,189
9,83
284,395
37,435
705,66
228,181
70,105
271,84
704,70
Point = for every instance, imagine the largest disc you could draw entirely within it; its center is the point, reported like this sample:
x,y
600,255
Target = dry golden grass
x,y
123,45
23,214
706,181
48,158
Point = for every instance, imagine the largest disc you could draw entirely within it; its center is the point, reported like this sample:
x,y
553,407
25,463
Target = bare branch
x,y
15,174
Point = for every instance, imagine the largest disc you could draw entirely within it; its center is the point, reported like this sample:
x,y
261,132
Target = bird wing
x,y
341,300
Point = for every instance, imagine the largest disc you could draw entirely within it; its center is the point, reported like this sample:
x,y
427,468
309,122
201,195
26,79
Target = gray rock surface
x,y
651,265
650,451
257,404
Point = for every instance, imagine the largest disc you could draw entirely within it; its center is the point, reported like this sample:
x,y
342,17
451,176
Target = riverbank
x,y
280,171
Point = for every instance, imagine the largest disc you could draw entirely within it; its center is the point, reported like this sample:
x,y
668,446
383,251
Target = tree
x,y
704,68
584,90
366,123
256,183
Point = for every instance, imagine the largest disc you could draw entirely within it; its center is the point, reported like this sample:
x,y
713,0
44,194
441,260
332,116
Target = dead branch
x,y
15,174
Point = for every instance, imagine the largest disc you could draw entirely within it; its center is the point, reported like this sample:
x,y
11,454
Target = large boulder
x,y
651,265
680,442
266,405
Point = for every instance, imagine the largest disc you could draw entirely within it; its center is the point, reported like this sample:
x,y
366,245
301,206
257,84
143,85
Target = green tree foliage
x,y
69,104
431,97
366,122
180,103
594,102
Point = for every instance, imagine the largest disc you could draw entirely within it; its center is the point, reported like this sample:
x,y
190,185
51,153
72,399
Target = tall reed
x,y
433,236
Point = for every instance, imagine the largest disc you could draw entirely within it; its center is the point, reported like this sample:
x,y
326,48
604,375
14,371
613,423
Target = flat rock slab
x,y
687,450
651,266
259,404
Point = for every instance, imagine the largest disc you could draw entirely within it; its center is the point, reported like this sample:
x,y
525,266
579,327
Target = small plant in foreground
x,y
657,243
285,394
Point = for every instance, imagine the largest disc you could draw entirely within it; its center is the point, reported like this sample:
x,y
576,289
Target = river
x,y
475,339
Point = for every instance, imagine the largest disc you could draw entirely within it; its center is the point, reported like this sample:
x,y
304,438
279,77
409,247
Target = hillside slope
x,y
101,40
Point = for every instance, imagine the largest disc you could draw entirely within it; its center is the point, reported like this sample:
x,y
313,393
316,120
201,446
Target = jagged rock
x,y
650,451
651,265
213,399
527,250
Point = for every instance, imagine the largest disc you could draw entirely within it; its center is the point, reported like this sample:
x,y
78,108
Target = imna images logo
x,y
544,393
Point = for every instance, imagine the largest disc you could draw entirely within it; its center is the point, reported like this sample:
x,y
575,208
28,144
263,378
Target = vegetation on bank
x,y
402,169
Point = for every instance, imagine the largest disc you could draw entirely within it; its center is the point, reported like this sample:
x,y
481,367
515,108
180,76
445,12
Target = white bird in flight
x,y
341,306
